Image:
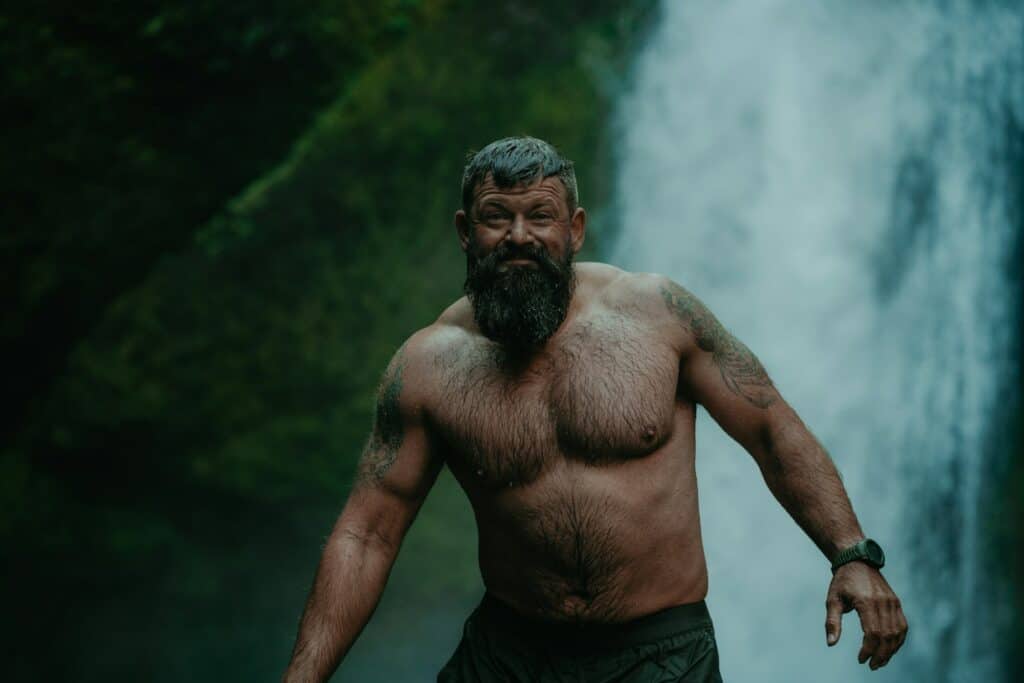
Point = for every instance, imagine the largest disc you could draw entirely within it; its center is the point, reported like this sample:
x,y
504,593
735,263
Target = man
x,y
562,398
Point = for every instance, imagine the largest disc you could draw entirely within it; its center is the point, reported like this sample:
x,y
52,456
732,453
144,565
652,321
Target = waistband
x,y
652,627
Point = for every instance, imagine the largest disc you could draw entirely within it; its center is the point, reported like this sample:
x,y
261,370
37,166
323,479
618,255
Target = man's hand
x,y
859,586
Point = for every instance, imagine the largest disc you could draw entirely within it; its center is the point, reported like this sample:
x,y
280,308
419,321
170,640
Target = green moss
x,y
203,426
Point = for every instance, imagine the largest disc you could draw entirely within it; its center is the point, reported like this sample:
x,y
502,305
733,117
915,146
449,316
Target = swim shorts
x,y
498,644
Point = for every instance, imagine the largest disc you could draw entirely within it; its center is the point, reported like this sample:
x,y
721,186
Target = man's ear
x,y
462,227
578,228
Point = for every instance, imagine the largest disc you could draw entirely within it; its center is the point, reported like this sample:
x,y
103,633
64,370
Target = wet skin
x,y
579,463
577,457
579,460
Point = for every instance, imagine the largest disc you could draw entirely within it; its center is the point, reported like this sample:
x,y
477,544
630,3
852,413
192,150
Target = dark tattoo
x,y
741,371
386,438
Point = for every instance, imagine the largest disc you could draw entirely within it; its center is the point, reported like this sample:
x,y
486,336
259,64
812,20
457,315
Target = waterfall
x,y
827,177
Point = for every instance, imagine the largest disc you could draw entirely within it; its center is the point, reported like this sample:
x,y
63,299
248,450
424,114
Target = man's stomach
x,y
594,544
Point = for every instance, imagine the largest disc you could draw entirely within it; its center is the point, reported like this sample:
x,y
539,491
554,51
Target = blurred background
x,y
220,220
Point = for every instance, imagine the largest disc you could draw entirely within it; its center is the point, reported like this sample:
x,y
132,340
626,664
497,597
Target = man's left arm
x,y
720,373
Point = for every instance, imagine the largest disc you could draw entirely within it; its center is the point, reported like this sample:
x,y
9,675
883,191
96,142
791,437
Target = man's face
x,y
519,244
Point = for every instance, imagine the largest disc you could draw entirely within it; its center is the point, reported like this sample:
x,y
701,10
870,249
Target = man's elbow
x,y
372,538
375,518
782,445
378,531
768,446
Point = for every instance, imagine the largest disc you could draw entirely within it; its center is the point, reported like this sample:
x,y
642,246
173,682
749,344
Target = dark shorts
x,y
676,644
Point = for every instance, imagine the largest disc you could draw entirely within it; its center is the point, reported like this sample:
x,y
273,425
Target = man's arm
x,y
396,471
720,373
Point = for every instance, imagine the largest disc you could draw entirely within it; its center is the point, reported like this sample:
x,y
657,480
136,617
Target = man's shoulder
x,y
419,362
627,291
655,302
459,315
454,329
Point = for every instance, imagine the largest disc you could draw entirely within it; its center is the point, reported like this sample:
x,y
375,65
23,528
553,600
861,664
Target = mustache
x,y
509,252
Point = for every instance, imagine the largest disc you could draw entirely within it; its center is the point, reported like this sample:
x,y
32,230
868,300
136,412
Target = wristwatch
x,y
866,550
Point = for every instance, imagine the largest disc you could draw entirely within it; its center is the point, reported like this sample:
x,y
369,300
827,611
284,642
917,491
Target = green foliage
x,y
295,295
127,126
254,211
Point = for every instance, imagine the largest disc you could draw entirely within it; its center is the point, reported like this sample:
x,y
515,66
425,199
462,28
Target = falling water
x,y
827,177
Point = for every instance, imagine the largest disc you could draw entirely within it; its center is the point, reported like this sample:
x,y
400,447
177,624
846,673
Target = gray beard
x,y
520,307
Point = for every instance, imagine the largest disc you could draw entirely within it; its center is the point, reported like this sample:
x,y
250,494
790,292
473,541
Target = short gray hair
x,y
517,160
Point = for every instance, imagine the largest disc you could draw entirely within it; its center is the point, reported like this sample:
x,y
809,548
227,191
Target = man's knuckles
x,y
878,602
893,606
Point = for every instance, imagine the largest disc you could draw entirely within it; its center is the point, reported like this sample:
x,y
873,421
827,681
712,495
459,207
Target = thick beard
x,y
520,307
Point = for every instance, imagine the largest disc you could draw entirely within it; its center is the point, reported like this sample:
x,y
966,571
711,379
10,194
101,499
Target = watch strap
x,y
857,551
854,552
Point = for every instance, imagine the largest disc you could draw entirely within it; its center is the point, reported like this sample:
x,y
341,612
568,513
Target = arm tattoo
x,y
741,371
386,438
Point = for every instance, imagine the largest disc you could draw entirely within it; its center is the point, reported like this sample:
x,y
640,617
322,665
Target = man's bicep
x,y
405,468
388,491
747,414
719,371
398,465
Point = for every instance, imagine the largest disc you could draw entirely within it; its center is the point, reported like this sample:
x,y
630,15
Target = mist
x,y
829,179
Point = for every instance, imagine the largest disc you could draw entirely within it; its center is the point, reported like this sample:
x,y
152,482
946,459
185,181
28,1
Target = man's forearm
x,y
802,476
805,481
349,581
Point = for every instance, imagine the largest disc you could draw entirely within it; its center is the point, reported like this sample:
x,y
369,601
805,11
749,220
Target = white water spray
x,y
823,177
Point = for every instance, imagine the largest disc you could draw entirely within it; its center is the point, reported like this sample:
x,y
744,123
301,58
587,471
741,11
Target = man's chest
x,y
604,391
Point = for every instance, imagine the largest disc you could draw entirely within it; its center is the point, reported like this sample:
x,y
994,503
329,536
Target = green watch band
x,y
866,550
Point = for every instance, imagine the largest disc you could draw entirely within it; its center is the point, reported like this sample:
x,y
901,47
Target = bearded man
x,y
562,398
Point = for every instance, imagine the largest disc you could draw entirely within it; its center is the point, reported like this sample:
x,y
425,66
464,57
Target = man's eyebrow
x,y
546,202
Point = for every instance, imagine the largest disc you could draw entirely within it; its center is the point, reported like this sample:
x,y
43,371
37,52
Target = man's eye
x,y
541,216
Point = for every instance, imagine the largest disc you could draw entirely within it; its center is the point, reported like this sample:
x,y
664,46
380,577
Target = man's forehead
x,y
543,188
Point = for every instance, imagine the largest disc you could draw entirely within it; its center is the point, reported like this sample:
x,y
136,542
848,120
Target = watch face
x,y
875,553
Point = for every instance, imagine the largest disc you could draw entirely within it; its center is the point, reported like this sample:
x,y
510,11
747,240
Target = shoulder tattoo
x,y
387,435
741,371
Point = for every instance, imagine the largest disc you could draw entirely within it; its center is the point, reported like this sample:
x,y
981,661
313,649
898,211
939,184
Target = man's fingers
x,y
886,649
897,634
833,619
871,624
867,648
886,636
903,629
904,626
885,629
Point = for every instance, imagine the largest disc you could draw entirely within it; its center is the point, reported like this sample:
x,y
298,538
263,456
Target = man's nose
x,y
519,232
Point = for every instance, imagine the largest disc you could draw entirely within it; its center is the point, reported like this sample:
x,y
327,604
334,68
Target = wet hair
x,y
516,161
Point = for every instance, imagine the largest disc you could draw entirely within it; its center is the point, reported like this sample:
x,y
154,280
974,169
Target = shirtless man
x,y
562,398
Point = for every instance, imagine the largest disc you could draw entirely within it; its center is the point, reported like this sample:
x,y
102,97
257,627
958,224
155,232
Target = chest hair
x,y
602,394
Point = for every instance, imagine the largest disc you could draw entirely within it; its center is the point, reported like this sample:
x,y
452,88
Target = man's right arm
x,y
396,471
